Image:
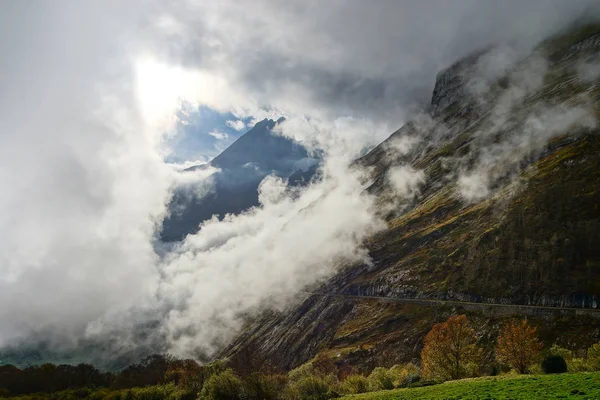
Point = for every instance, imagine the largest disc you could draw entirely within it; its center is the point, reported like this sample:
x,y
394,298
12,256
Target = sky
x,y
102,102
200,133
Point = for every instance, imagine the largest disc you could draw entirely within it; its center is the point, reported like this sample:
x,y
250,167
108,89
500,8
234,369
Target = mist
x,y
84,138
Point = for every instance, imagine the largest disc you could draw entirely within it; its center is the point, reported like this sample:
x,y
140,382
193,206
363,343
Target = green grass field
x,y
561,386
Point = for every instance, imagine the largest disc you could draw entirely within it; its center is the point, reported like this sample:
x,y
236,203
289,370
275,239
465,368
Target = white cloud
x,y
219,135
501,158
235,266
405,181
238,125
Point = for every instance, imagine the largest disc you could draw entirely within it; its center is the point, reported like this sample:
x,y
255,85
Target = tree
x,y
518,345
450,349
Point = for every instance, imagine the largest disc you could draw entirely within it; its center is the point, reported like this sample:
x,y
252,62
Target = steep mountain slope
x,y
507,212
233,189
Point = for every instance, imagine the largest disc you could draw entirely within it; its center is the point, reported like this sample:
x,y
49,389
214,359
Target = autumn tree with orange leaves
x,y
450,350
518,345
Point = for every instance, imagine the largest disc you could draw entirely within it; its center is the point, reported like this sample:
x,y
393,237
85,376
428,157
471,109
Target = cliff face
x,y
508,211
451,84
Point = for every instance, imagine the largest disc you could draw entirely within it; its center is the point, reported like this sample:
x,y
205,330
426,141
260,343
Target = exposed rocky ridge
x,y
535,239
450,84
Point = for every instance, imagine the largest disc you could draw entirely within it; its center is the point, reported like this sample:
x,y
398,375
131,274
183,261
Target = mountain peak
x,y
243,165
261,147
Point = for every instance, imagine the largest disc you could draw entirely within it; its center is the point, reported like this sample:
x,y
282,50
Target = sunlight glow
x,y
160,89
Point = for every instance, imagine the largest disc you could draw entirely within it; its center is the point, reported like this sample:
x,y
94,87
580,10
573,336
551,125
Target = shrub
x,y
554,364
578,365
404,375
223,386
381,379
263,387
536,369
593,357
156,392
556,350
324,365
311,388
215,367
355,384
306,369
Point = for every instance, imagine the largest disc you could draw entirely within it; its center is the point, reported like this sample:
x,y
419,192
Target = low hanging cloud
x,y
508,135
502,159
406,181
83,146
262,258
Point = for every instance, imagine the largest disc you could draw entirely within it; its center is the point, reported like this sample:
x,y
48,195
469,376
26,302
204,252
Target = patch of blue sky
x,y
202,133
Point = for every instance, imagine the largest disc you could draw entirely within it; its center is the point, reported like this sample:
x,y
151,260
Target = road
x,y
455,302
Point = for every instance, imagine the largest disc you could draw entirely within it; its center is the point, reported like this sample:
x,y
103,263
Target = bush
x,y
312,388
159,392
578,365
556,350
355,384
554,364
156,392
593,357
263,387
536,369
306,369
404,375
223,386
381,379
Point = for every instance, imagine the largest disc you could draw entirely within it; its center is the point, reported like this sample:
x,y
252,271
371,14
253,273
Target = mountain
x,y
506,222
234,188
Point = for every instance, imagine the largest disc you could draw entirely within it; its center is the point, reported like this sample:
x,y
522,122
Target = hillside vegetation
x,y
565,386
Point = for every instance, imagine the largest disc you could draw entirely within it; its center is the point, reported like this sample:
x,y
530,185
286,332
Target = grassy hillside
x,y
562,386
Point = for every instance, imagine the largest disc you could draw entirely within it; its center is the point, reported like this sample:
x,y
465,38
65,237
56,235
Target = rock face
x,y
509,213
234,188
450,84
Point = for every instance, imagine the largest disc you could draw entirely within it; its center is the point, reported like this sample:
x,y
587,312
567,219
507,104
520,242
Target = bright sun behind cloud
x,y
160,88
